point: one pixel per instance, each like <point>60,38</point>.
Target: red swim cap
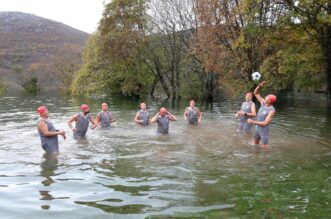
<point>41,109</point>
<point>84,107</point>
<point>272,99</point>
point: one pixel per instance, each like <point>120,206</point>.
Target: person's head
<point>143,106</point>
<point>42,111</point>
<point>104,106</point>
<point>249,96</point>
<point>270,99</point>
<point>85,108</point>
<point>163,111</point>
<point>192,103</point>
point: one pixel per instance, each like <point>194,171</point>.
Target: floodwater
<point>208,171</point>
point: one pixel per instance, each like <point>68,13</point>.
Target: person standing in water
<point>247,111</point>
<point>264,117</point>
<point>104,118</point>
<point>142,116</point>
<point>82,122</point>
<point>163,118</point>
<point>192,114</point>
<point>48,134</point>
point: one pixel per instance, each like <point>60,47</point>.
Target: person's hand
<point>241,113</point>
<point>94,126</point>
<point>262,83</point>
<point>61,132</point>
<point>236,115</point>
<point>74,129</point>
<point>249,121</point>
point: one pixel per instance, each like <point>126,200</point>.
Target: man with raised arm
<point>264,117</point>
<point>163,118</point>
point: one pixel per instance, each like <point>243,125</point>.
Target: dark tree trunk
<point>328,67</point>
<point>164,86</point>
<point>210,86</point>
<point>325,42</point>
<point>153,87</point>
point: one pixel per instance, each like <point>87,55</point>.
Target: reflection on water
<point>207,171</point>
<point>48,166</point>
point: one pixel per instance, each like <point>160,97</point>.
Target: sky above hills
<point>80,14</point>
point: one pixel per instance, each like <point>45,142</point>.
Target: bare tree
<point>236,31</point>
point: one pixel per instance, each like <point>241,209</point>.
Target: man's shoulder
<point>40,121</point>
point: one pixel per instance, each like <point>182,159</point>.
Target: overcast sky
<point>80,14</point>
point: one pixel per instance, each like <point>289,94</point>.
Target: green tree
<point>93,76</point>
<point>3,87</point>
<point>314,16</point>
<point>111,58</point>
<point>122,33</point>
<point>295,65</point>
<point>31,85</point>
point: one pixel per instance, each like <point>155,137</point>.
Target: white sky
<point>80,14</point>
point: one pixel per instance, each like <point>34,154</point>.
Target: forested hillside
<point>37,50</point>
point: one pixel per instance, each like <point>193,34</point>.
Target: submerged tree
<point>234,36</point>
<point>122,32</point>
<point>314,16</point>
<point>111,58</point>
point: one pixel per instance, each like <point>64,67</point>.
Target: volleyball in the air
<point>256,76</point>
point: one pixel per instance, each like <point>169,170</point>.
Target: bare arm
<point>111,118</point>
<point>265,122</point>
<point>253,109</point>
<point>97,120</point>
<point>154,119</point>
<point>257,92</point>
<point>72,119</point>
<point>185,114</point>
<point>42,127</point>
<point>200,115</point>
<point>171,116</point>
<point>94,124</point>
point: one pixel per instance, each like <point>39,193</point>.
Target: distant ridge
<point>31,46</point>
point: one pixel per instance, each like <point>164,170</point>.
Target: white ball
<point>256,76</point>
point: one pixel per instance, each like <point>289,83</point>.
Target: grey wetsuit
<point>81,125</point>
<point>49,144</point>
<point>192,115</point>
<point>144,115</point>
<point>105,118</point>
<point>262,133</point>
<point>163,125</point>
<point>247,108</point>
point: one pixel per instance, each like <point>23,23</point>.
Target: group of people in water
<point>49,135</point>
